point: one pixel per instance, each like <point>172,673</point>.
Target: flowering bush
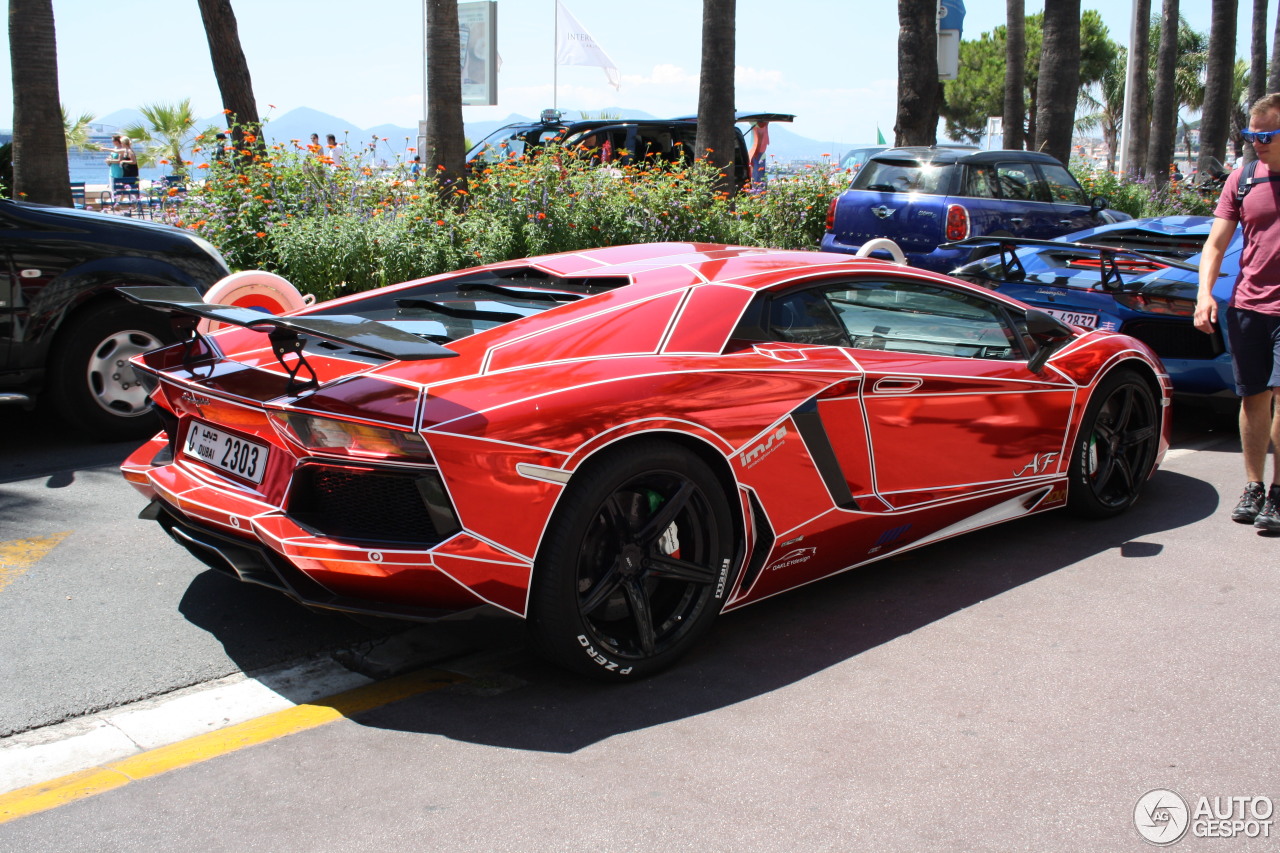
<point>1141,197</point>
<point>337,226</point>
<point>362,222</point>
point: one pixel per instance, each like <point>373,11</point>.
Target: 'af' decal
<point>1039,463</point>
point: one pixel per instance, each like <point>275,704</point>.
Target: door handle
<point>896,385</point>
<point>1064,221</point>
<point>1016,220</point>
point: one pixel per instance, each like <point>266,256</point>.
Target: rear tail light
<point>831,214</point>
<point>1148,304</point>
<point>352,440</point>
<point>957,223</point>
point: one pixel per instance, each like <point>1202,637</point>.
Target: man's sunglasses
<point>1263,136</point>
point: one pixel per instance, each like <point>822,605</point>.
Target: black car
<point>624,140</point>
<point>921,198</point>
<point>65,334</point>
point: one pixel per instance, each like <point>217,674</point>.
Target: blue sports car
<point>1139,277</point>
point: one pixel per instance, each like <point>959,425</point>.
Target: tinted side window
<point>1018,181</point>
<point>904,176</point>
<point>1062,185</point>
<point>806,318</point>
<point>981,182</point>
<point>908,316</point>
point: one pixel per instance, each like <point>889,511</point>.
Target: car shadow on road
<point>533,706</point>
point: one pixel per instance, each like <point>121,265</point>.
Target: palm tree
<point>1164,105</point>
<point>1238,115</point>
<point>1107,110</point>
<point>1059,82</point>
<point>1220,70</point>
<point>230,67</point>
<point>1014,72</point>
<point>40,170</point>
<point>716,96</point>
<point>77,132</point>
<point>1257,64</point>
<point>168,129</point>
<point>1135,153</point>
<point>917,120</point>
<point>1273,76</point>
<point>445,153</point>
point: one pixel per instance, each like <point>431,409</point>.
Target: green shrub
<point>338,228</point>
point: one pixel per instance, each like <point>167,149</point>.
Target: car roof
<point>661,267</point>
<point>948,155</point>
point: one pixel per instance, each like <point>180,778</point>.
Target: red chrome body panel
<point>849,455</point>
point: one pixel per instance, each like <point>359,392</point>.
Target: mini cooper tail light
<point>831,214</point>
<point>1148,304</point>
<point>957,223</point>
<point>352,440</point>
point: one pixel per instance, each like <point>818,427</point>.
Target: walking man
<point>1252,321</point>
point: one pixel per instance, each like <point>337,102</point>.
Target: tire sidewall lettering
<point>599,659</point>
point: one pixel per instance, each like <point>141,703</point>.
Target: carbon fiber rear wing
<point>1108,268</point>
<point>288,334</point>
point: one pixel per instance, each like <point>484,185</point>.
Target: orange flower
<point>260,234</point>
<point>203,166</point>
<point>440,222</point>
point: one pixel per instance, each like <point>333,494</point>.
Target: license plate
<point>1075,318</point>
<point>231,453</point>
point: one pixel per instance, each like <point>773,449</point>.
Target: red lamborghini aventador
<point>618,444</point>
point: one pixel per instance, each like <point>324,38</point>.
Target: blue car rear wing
<point>288,334</point>
<point>1109,269</point>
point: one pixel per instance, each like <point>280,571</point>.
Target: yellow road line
<point>116,774</point>
<point>18,555</point>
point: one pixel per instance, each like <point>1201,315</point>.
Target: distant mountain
<point>784,145</point>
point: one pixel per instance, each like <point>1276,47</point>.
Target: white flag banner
<point>575,46</point>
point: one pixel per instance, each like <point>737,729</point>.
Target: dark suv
<point>627,140</point>
<point>65,333</point>
<point>923,197</point>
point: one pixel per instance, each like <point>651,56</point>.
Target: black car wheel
<point>92,385</point>
<point>635,563</point>
<point>1116,447</point>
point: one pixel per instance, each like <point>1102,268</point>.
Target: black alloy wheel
<point>1116,448</point>
<point>635,563</point>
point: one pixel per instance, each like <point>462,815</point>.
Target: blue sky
<point>831,62</point>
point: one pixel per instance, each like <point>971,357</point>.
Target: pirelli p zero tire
<point>1116,448</point>
<point>635,563</point>
<point>91,383</point>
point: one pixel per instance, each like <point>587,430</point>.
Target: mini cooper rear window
<point>904,176</point>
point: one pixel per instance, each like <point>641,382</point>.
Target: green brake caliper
<point>670,541</point>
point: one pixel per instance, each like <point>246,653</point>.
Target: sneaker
<point>1250,505</point>
<point>1269,518</point>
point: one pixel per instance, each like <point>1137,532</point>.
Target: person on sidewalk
<point>759,145</point>
<point>113,158</point>
<point>1252,321</point>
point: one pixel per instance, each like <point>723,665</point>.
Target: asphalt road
<point>1016,689</point>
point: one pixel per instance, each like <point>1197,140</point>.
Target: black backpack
<point>1248,181</point>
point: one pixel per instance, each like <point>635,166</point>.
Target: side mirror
<point>1049,334</point>
<point>1098,203</point>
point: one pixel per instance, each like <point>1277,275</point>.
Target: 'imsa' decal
<point>760,451</point>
